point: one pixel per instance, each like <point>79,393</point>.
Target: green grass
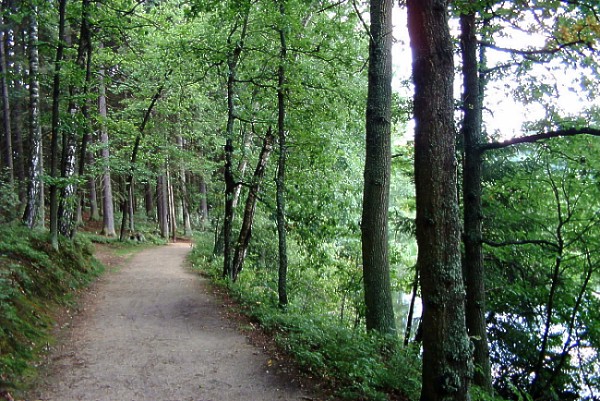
<point>34,280</point>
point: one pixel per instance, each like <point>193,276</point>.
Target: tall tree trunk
<point>446,346</point>
<point>473,214</point>
<point>242,165</point>
<point>34,211</point>
<point>374,226</point>
<point>7,154</point>
<point>232,63</point>
<point>246,230</point>
<point>55,126</point>
<point>185,208</point>
<point>172,214</point>
<point>161,205</point>
<point>108,213</point>
<point>281,165</point>
<point>149,201</point>
<point>203,203</point>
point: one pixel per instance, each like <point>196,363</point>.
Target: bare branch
<point>538,137</point>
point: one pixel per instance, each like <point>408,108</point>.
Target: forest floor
<point>150,329</point>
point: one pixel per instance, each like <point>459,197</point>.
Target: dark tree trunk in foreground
<point>374,226</point>
<point>55,126</point>
<point>281,165</point>
<point>446,347</point>
<point>246,230</point>
<point>473,214</point>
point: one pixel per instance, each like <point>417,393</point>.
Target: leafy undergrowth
<point>34,280</point>
<point>354,364</point>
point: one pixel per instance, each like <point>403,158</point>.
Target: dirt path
<point>151,331</point>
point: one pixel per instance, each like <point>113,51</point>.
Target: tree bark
<point>473,268</point>
<point>232,63</point>
<point>446,347</point>
<point>34,210</point>
<point>108,213</point>
<point>246,230</point>
<point>374,225</point>
<point>7,154</point>
<point>55,126</point>
<point>161,206</point>
<point>203,203</point>
<point>185,208</point>
<point>281,165</point>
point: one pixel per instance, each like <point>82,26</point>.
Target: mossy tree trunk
<point>446,346</point>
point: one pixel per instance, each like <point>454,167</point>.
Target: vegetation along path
<point>153,331</point>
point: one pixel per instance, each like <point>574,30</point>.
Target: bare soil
<point>152,330</point>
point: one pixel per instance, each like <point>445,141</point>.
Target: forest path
<point>152,331</point>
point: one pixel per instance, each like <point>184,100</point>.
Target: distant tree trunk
<point>473,214</point>
<point>172,214</point>
<point>162,205</point>
<point>232,63</point>
<point>242,165</point>
<point>7,155</point>
<point>55,126</point>
<point>108,215</point>
<point>281,165</point>
<point>34,211</point>
<point>374,226</point>
<point>149,201</point>
<point>446,346</point>
<point>246,230</point>
<point>203,203</point>
<point>185,208</point>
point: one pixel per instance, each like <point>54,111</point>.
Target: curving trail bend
<point>153,332</point>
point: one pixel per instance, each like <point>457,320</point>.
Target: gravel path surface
<point>152,331</point>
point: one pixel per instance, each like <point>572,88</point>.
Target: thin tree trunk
<point>246,230</point>
<point>232,63</point>
<point>149,202</point>
<point>185,208</point>
<point>473,262</point>
<point>55,126</point>
<point>242,165</point>
<point>34,211</point>
<point>161,206</point>
<point>446,345</point>
<point>203,203</point>
<point>374,226</point>
<point>172,215</point>
<point>7,155</point>
<point>281,165</point>
<point>108,213</point>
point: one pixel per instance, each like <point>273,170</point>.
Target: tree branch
<point>538,137</point>
<point>522,242</point>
